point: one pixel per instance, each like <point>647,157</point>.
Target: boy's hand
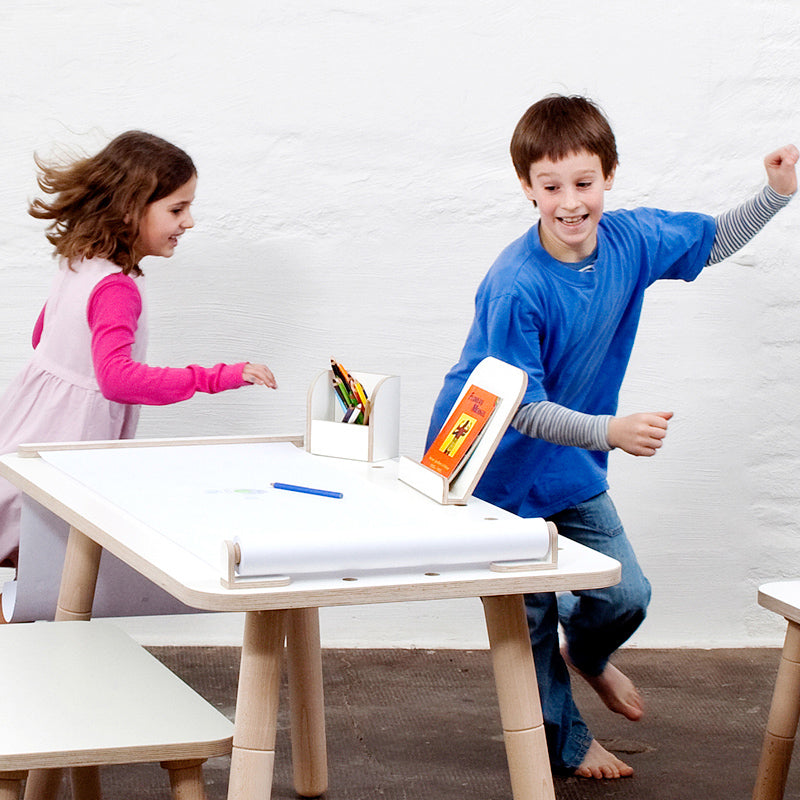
<point>639,434</point>
<point>260,374</point>
<point>780,166</point>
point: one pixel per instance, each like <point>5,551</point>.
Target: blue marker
<point>290,487</point>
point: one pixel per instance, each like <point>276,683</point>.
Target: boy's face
<point>569,194</point>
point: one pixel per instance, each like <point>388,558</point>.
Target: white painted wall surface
<point>353,164</point>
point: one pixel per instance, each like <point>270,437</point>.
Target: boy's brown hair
<point>558,126</point>
<point>99,200</point>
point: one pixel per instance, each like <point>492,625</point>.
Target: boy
<point>563,303</point>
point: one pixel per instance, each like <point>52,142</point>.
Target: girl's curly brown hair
<point>99,200</point>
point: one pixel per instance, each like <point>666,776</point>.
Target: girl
<point>87,378</point>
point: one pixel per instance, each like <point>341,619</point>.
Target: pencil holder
<point>376,440</point>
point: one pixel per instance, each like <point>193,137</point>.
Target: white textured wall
<point>353,164</point>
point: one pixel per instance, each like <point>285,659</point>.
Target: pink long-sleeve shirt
<point>113,312</point>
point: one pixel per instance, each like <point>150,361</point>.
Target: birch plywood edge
<point>32,450</point>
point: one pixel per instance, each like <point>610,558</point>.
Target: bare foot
<point>599,763</point>
<point>615,689</point>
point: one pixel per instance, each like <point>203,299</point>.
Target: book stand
<point>509,384</point>
<point>378,440</point>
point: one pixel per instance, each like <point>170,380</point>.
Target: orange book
<point>459,435</point>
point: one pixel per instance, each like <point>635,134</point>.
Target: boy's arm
<point>642,434</point>
<point>561,425</point>
<point>637,434</point>
<point>739,225</point>
<point>735,228</point>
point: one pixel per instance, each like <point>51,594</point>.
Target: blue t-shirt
<point>572,332</point>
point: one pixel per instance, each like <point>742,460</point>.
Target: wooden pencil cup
<point>377,440</point>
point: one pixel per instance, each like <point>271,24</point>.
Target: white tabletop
<point>782,597</point>
<point>102,509</point>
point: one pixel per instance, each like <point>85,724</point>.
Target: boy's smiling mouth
<point>571,221</point>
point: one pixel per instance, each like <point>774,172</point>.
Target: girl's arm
<point>36,336</point>
<point>113,313</point>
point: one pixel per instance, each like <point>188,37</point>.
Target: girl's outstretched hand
<point>259,374</point>
<point>781,174</point>
<point>639,434</point>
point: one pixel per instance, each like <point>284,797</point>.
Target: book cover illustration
<point>460,434</point>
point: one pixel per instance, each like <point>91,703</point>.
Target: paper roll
<point>324,551</point>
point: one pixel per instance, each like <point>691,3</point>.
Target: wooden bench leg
<point>306,702</point>
<point>11,784</point>
<point>253,756</point>
<point>518,696</point>
<point>186,779</point>
<point>776,752</point>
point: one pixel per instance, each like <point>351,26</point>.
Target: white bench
<point>82,695</point>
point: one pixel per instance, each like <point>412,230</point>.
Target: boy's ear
<point>527,190</point>
<point>610,179</point>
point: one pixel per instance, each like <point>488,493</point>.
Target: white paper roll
<point>333,551</point>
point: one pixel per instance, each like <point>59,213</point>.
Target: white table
<point>279,614</point>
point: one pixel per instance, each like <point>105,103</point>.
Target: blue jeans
<point>595,622</point>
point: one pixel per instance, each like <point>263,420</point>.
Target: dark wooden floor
<point>424,724</point>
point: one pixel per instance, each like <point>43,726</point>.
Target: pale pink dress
<point>57,397</point>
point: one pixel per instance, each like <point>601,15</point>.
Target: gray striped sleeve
<point>560,425</point>
<point>735,228</point>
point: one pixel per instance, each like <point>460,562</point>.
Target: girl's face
<point>164,221</point>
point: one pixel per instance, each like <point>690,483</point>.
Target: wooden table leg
<point>75,599</point>
<point>307,702</point>
<point>85,782</point>
<point>79,577</point>
<point>518,695</point>
<point>43,784</point>
<point>186,779</point>
<point>776,752</point>
<point>257,698</point>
